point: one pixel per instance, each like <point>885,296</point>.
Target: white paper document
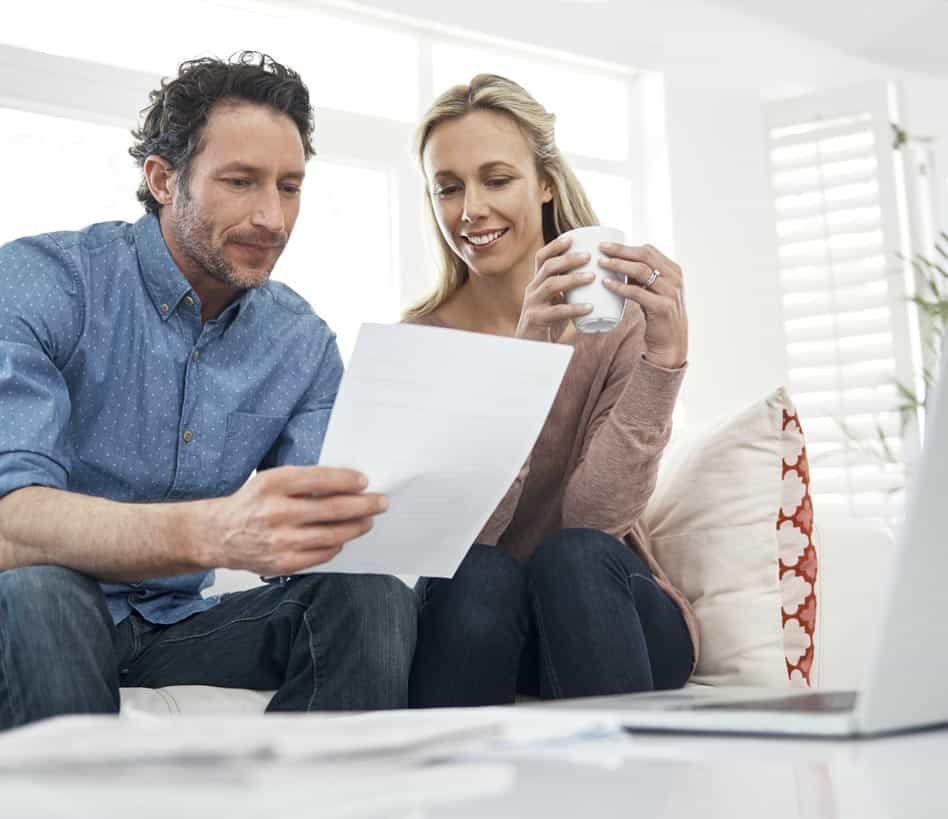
<point>422,734</point>
<point>441,421</point>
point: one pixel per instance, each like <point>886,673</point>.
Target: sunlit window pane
<point>63,174</point>
<point>584,125</point>
<point>341,255</point>
<point>331,53</point>
<point>611,198</point>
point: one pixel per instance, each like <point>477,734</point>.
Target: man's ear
<point>160,178</point>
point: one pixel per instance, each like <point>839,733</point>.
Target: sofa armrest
<point>854,567</point>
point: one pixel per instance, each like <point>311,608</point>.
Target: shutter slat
<point>859,145</point>
<point>814,300</point>
<point>792,134</point>
<point>863,374</point>
<point>827,200</point>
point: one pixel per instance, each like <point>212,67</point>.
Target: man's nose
<point>268,211</point>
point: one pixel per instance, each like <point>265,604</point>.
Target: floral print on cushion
<point>797,550</point>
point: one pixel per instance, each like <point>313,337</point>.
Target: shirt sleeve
<point>301,440</point>
<point>623,444</point>
<point>42,314</point>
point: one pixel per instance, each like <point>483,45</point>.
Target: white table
<point>647,776</point>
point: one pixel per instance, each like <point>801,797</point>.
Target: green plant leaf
<point>907,394</point>
<point>884,442</point>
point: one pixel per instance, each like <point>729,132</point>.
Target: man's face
<point>233,216</point>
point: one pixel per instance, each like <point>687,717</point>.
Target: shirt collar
<point>164,280</point>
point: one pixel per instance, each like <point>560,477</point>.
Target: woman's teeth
<point>486,238</point>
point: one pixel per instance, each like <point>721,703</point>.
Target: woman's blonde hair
<point>569,207</point>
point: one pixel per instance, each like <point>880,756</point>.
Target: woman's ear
<point>546,187</point>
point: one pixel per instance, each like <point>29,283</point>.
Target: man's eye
<point>292,190</point>
<point>234,182</point>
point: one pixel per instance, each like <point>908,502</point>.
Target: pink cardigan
<point>595,463</point>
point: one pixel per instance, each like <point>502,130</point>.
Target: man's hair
<point>174,122</point>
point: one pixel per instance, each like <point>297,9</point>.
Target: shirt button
<point>195,355</point>
<point>188,301</point>
<point>164,308</point>
<point>188,437</point>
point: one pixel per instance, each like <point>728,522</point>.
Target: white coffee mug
<point>607,306</point>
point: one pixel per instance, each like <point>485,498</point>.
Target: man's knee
<point>35,594</point>
<point>57,650</point>
<point>387,610</point>
<point>374,609</point>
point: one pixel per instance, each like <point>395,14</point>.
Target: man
<point>145,371</point>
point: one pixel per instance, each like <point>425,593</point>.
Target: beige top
<point>595,463</point>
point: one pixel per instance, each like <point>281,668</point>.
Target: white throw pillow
<point>730,502</point>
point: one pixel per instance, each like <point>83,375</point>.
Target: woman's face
<point>485,193</point>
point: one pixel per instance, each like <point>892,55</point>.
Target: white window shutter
<point>836,188</point>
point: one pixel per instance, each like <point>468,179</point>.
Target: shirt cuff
<point>26,468</point>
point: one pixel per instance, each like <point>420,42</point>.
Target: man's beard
<point>195,236</point>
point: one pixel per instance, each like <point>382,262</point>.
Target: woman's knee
<point>566,554</point>
<point>488,574</point>
<point>484,599</point>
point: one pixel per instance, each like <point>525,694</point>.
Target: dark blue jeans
<point>324,641</point>
<point>582,616</point>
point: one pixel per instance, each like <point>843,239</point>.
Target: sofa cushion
<point>730,504</point>
<point>194,699</point>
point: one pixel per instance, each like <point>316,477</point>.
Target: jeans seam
<point>544,645</point>
<point>6,676</point>
<point>229,623</point>
<point>425,597</point>
<point>630,577</point>
<point>312,660</point>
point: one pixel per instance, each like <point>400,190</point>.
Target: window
<point>611,196</point>
<point>360,249</point>
<point>339,258</point>
<point>92,180</point>
<point>846,318</point>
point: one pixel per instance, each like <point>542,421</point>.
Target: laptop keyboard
<point>816,702</point>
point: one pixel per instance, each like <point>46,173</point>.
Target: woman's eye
<point>446,190</point>
<point>498,181</point>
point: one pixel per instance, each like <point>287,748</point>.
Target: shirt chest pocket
<point>247,439</point>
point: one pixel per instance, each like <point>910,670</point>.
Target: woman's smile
<point>482,241</point>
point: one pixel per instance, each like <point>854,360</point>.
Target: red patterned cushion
<point>798,563</point>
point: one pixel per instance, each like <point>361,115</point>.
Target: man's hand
<point>286,519</point>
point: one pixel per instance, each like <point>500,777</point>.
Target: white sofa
<point>853,565</point>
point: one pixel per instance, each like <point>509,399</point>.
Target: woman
<point>560,597</point>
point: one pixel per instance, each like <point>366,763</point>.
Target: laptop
<point>906,677</point>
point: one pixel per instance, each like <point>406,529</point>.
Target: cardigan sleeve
<point>622,445</point>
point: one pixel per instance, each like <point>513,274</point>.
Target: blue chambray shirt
<point>110,385</point>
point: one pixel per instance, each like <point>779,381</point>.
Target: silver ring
<point>653,277</point>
